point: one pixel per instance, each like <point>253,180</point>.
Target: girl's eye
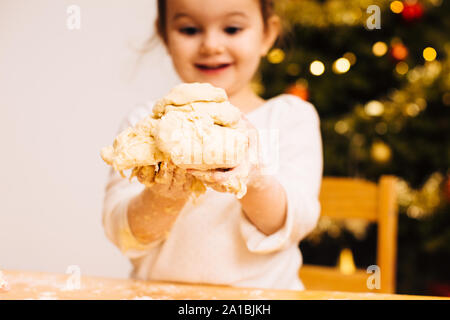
<point>189,30</point>
<point>232,30</point>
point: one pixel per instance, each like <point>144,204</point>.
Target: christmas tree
<point>383,95</point>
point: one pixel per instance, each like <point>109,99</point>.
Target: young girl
<point>219,239</point>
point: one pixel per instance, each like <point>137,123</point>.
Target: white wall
<point>62,96</point>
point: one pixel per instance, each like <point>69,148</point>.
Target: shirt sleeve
<point>119,192</point>
<point>300,166</point>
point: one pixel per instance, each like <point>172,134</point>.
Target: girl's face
<point>220,42</point>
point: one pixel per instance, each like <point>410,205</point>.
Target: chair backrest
<point>350,198</point>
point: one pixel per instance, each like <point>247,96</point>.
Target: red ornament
<point>298,90</point>
<point>439,289</point>
<point>447,188</point>
<point>412,12</point>
<point>399,51</point>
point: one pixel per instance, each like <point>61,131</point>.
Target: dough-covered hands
<point>171,180</point>
<point>248,171</point>
<point>194,127</point>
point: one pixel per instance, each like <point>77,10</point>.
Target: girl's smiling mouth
<point>212,68</point>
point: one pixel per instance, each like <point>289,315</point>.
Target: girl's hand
<point>249,169</point>
<point>172,181</point>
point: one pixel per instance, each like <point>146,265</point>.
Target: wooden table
<point>51,286</point>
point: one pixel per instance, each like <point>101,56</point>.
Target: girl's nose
<point>212,44</point>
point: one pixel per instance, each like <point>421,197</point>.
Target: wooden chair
<point>349,198</point>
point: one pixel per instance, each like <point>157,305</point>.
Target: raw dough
<point>193,140</point>
<point>134,147</point>
<point>192,127</point>
<point>191,92</point>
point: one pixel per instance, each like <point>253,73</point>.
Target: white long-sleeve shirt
<point>212,241</point>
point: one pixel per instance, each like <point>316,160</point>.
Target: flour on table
<point>143,298</point>
<point>47,296</point>
<point>4,285</point>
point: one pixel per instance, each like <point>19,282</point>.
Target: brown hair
<point>267,10</point>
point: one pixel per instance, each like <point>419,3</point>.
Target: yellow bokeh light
<point>415,212</point>
<point>380,152</point>
<point>436,3</point>
<point>397,6</point>
<point>422,103</point>
<point>317,68</point>
<point>379,48</point>
<point>275,56</point>
<point>341,127</point>
<point>412,110</point>
<point>374,108</point>
<point>413,75</point>
<point>429,54</point>
<point>346,263</point>
<point>446,98</point>
<point>401,68</point>
<point>341,65</point>
<point>350,56</point>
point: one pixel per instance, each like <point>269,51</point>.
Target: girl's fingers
<point>221,176</point>
<point>205,175</point>
<point>178,178</point>
<point>211,176</point>
<point>164,174</point>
